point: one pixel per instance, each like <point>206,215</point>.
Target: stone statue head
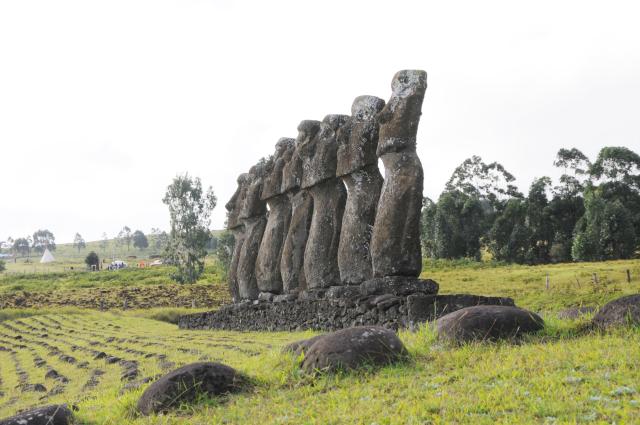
<point>236,202</point>
<point>409,82</point>
<point>273,181</point>
<point>401,115</point>
<point>253,205</point>
<point>319,153</point>
<point>358,139</point>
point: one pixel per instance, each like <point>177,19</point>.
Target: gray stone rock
<point>272,185</point>
<point>254,205</point>
<point>398,285</point>
<point>358,138</point>
<point>246,274</point>
<point>321,251</point>
<point>354,348</point>
<point>268,262</point>
<point>266,296</point>
<point>354,251</point>
<point>487,322</point>
<point>232,274</point>
<point>292,259</point>
<point>301,346</point>
<point>292,170</point>
<point>329,196</point>
<point>236,202</point>
<point>268,274</point>
<point>623,311</point>
<point>184,385</point>
<point>48,415</point>
<point>424,308</point>
<point>395,243</point>
<point>283,298</point>
<point>336,292</point>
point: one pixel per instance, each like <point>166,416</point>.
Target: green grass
<point>562,375</point>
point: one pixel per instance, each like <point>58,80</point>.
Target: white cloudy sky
<point>102,103</point>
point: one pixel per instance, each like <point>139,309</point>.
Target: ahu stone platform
<point>334,309</point>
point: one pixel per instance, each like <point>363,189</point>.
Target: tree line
<point>591,214</point>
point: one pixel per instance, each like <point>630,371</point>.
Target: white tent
<point>47,257</point>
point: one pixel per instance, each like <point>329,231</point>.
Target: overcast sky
<point>102,103</point>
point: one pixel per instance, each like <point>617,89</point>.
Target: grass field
<point>563,375</point>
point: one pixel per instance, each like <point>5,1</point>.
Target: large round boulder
<point>184,385</point>
<point>487,322</point>
<point>353,348</point>
<point>623,311</point>
<point>57,414</point>
<point>301,346</point>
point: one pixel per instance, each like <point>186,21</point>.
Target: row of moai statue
<point>332,219</point>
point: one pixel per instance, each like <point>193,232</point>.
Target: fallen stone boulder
<point>623,311</point>
<point>57,414</point>
<point>185,384</point>
<point>353,348</point>
<point>487,322</point>
<point>301,346</point>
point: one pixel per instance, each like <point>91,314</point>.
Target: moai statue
<point>292,260</point>
<point>319,155</point>
<point>395,243</point>
<point>358,168</point>
<point>236,227</point>
<point>268,276</point>
<point>253,217</point>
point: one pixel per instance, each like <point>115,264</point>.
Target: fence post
<point>595,278</point>
<point>628,276</point>
<point>547,281</point>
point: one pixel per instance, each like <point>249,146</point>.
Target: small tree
<point>190,211</point>
<point>124,237</point>
<point>92,260</point>
<point>44,239</point>
<point>78,242</point>
<point>140,241</point>
<point>22,246</point>
<point>224,250</point>
<point>2,266</point>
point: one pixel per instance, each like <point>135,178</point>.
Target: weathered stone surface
<point>401,115</point>
<point>184,385</point>
<point>619,312</point>
<point>319,149</point>
<point>358,138</point>
<point>354,348</point>
<point>272,185</point>
<point>232,274</point>
<point>398,285</point>
<point>342,292</point>
<point>292,170</point>
<point>246,274</point>
<point>354,255</point>
<point>301,346</point>
<point>325,313</point>
<point>321,251</point>
<point>292,259</point>
<point>487,322</point>
<point>268,275</point>
<point>253,218</point>
<point>423,308</point>
<point>48,415</point>
<point>395,243</point>
<point>236,202</point>
<point>253,205</point>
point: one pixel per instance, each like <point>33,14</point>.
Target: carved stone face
<point>253,205</point>
<point>236,202</point>
<point>408,82</point>
<point>319,153</point>
<point>273,180</point>
<point>365,108</point>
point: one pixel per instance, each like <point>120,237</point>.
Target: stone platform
<point>321,311</point>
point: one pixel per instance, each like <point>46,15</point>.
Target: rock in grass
<point>353,348</point>
<point>487,322</point>
<point>47,415</point>
<point>623,311</point>
<point>575,312</point>
<point>303,345</point>
<point>184,385</point>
